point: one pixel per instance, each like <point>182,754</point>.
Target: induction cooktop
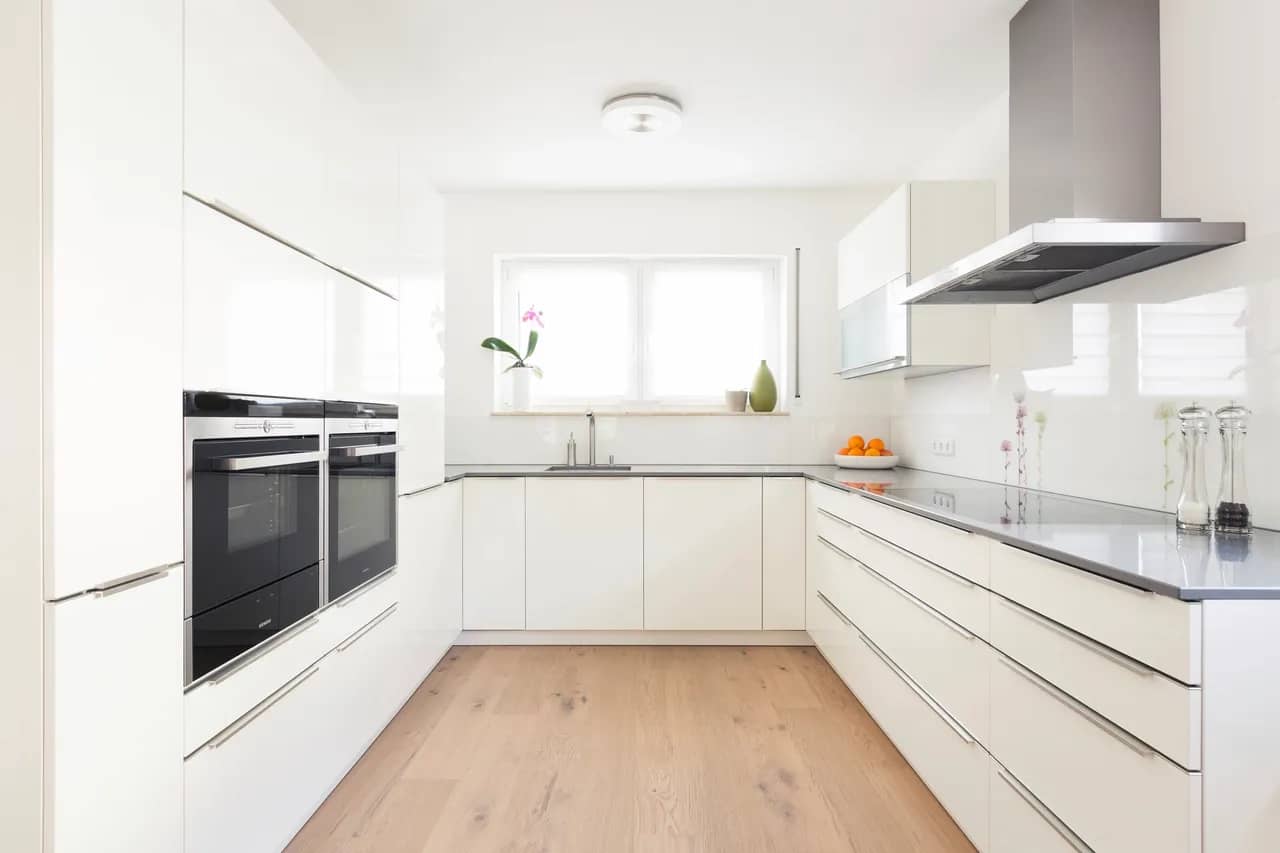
<point>1011,505</point>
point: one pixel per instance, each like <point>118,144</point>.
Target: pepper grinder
<point>1193,503</point>
<point>1232,512</point>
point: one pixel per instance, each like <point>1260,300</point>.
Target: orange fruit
<point>856,441</point>
<point>875,444</point>
<point>871,451</point>
<point>884,451</point>
<point>855,451</point>
<point>844,451</point>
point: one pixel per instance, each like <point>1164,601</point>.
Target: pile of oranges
<point>859,447</point>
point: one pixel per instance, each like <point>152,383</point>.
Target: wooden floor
<point>604,749</point>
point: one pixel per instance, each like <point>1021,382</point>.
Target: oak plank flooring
<point>631,748</point>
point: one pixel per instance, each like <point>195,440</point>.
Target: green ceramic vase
<point>764,391</point>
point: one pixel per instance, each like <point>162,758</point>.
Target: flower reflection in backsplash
<point>1164,414</point>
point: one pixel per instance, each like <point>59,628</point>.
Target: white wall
<point>1221,135</point>
<point>482,225</point>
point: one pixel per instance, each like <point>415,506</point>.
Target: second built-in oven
<point>361,502</point>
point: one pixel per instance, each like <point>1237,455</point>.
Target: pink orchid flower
<point>532,315</point>
<point>1006,445</point>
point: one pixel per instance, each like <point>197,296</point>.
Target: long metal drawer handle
<point>835,518</point>
<point>1081,640</point>
<point>369,626</point>
<point>274,460</point>
<point>368,587</point>
<point>262,648</point>
<point>960,730</point>
<point>836,548</point>
<point>129,583</point>
<point>366,450</point>
<point>913,600</point>
<point>834,609</point>
<point>1083,710</point>
<point>948,574</point>
<point>239,725</point>
<point>1041,809</point>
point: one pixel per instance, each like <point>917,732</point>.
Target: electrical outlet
<point>943,447</point>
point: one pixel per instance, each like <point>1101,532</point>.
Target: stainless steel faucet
<point>591,438</point>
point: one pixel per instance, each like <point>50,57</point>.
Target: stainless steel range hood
<point>1084,161</point>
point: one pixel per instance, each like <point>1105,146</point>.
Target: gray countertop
<point>1138,547</point>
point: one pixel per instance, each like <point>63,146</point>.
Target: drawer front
<point>1157,709</point>
<point>958,550</point>
<point>946,758</point>
<point>215,704</point>
<point>833,634</point>
<point>1110,788</point>
<point>834,575</point>
<point>1020,823</point>
<point>1162,632</point>
<point>959,598</point>
<point>943,658</point>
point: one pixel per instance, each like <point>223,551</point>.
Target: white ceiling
<point>804,93</point>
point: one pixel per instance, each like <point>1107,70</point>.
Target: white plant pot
<point>520,377</point>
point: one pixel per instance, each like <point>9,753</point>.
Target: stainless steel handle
<point>834,609</point>
<point>1083,710</point>
<point>949,575</point>
<point>369,626</point>
<point>836,518</point>
<point>262,648</point>
<point>1081,640</point>
<point>258,710</point>
<point>366,450</point>
<point>245,219</point>
<point>274,460</point>
<point>961,731</point>
<point>359,593</point>
<point>836,548</point>
<point>129,583</point>
<point>1041,809</point>
<point>919,604</point>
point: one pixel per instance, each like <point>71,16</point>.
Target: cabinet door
<point>254,310</point>
<point>702,553</point>
<point>583,545</point>
<point>784,553</point>
<point>112,289</point>
<point>361,194</point>
<point>258,116</point>
<point>430,560</point>
<point>422,327</point>
<point>493,553</point>
<point>362,346</point>
<point>877,250</point>
<point>113,762</point>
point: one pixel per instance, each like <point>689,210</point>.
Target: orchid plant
<point>532,316</point>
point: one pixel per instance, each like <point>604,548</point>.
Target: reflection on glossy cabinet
<point>493,553</point>
<point>784,553</point>
<point>702,553</point>
<point>430,561</point>
<point>113,762</point>
<point>362,344</point>
<point>583,544</point>
<point>254,310</point>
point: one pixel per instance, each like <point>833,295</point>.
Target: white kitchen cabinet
<point>113,760</point>
<point>877,250</point>
<point>1021,823</point>
<point>258,118</point>
<point>254,310</point>
<point>493,579</point>
<point>112,250</point>
<point>702,553</point>
<point>422,327</point>
<point>362,344</point>
<point>584,540</point>
<point>430,567</point>
<point>361,177</point>
<point>784,553</point>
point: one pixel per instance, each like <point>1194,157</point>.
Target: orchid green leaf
<point>533,343</point>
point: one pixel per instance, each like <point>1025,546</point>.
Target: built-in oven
<point>362,447</point>
<point>254,522</point>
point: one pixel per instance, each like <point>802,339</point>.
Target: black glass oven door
<point>362,509</point>
<point>255,514</point>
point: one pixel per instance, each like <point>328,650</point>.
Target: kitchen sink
<point>588,469</point>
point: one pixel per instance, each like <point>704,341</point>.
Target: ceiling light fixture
<point>642,114</point>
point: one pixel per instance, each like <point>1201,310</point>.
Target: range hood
<point>1084,161</point>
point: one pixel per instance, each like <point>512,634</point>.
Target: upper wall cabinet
<point>362,350</point>
<point>273,138</point>
<point>112,247</point>
<point>920,228</point>
<point>254,311</point>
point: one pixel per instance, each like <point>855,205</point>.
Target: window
<point>645,332</point>
<point>1193,346</point>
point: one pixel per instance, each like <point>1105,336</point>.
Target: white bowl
<point>866,462</point>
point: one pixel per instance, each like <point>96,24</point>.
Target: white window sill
<point>635,413</point>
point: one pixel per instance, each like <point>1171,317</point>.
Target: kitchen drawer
<point>960,551</point>
<point>948,662</point>
<point>1113,790</point>
<point>1020,823</point>
<point>834,575</point>
<point>833,634</point>
<point>1160,631</point>
<point>214,704</point>
<point>942,753</point>
<point>947,592</point>
<point>1157,709</point>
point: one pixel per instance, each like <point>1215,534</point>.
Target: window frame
<point>508,307</point>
